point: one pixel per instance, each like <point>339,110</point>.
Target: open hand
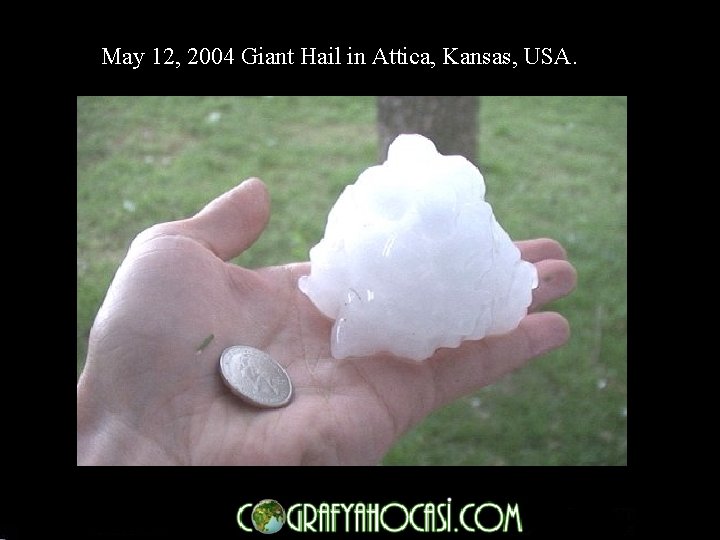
<point>147,395</point>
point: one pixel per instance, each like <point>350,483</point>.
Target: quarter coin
<point>254,376</point>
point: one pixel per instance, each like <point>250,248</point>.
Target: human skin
<point>147,396</point>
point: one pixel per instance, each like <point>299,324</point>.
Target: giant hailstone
<point>413,259</point>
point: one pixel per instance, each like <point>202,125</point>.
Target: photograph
<point>351,280</point>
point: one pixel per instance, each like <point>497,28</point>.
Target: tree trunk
<point>451,122</point>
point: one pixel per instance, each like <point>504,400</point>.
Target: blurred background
<point>554,166</point>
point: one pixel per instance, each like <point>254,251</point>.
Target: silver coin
<point>255,376</point>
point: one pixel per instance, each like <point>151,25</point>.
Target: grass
<point>554,166</point>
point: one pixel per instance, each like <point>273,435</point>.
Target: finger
<point>540,249</point>
<point>299,269</point>
<point>229,224</point>
<point>478,363</point>
<point>555,280</point>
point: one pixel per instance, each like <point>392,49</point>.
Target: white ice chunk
<point>413,259</point>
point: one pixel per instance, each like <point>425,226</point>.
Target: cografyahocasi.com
<point>486,517</point>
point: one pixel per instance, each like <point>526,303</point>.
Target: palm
<point>344,412</point>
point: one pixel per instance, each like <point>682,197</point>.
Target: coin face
<point>255,376</point>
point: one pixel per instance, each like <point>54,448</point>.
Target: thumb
<point>231,223</point>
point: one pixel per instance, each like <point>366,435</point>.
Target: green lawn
<point>554,166</point>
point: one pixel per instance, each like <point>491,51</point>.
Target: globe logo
<point>268,516</point>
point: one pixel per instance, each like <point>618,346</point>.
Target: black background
<point>51,493</point>
<point>202,502</point>
<point>598,69</point>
